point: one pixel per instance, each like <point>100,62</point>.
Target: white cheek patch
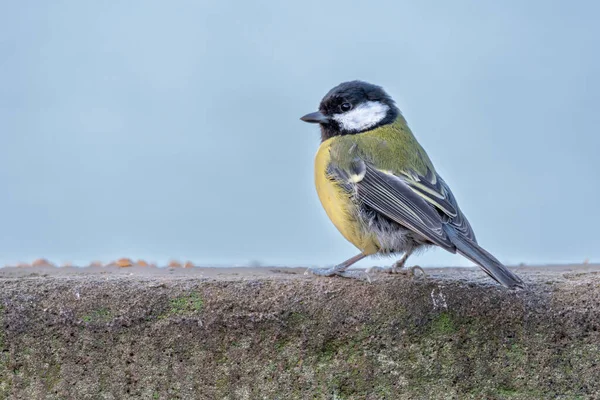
<point>364,116</point>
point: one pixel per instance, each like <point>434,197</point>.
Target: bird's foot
<point>353,274</point>
<point>395,269</point>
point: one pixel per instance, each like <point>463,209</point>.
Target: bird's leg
<point>340,269</point>
<point>398,266</point>
<point>400,263</point>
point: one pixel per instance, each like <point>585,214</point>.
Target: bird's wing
<point>432,188</point>
<point>393,197</point>
<point>422,203</point>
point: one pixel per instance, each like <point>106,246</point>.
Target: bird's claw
<point>321,271</point>
<point>414,268</point>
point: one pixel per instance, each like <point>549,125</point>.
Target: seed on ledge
<point>124,262</point>
<point>42,262</point>
<point>96,264</point>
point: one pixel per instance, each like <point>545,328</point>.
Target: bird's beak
<point>316,118</point>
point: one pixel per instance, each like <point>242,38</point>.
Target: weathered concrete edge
<point>272,335</point>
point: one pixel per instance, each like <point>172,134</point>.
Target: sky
<point>170,130</point>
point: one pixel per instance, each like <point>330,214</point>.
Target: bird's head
<point>353,107</point>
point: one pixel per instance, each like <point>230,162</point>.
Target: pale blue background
<point>166,130</point>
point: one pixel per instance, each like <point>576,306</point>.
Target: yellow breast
<point>338,205</point>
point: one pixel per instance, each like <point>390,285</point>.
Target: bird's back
<point>390,147</point>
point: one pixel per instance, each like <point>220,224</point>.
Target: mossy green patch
<point>187,304</point>
<point>383,391</point>
<point>98,316</point>
<point>328,350</point>
<point>506,391</point>
<point>443,324</point>
<point>295,318</point>
<point>280,344</point>
<point>516,353</point>
<point>51,377</point>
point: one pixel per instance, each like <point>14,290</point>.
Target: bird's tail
<point>485,260</point>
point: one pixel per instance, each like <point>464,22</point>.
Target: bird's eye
<point>346,107</point>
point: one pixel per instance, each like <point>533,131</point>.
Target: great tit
<point>379,187</point>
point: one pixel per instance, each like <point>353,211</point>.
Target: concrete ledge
<point>108,333</point>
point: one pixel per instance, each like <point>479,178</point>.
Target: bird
<point>380,189</point>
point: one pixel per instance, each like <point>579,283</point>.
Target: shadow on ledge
<point>265,333</point>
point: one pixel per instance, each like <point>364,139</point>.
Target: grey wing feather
<point>459,221</point>
<point>434,190</point>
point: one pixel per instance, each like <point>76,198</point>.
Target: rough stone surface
<point>260,333</point>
